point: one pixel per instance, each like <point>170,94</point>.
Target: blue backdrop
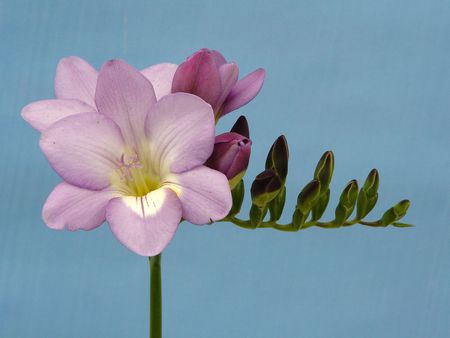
<point>368,79</point>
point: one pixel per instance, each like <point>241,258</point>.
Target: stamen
<point>125,167</point>
<point>134,176</point>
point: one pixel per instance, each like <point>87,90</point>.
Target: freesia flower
<point>75,84</point>
<point>135,162</point>
<point>232,152</point>
<point>207,74</point>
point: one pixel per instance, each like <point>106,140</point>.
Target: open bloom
<point>135,162</point>
<point>75,84</point>
<point>232,152</point>
<point>207,74</point>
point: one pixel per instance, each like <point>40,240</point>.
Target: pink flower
<point>75,84</point>
<point>207,74</point>
<point>135,162</point>
<point>232,152</point>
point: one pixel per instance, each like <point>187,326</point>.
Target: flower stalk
<point>155,329</point>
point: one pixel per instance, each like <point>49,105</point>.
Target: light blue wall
<point>368,79</point>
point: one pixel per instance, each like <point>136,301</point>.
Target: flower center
<point>133,176</point>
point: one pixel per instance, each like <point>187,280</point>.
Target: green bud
<point>361,205</point>
<point>365,205</point>
<point>265,187</point>
<point>371,203</point>
<point>324,170</point>
<point>395,213</point>
<point>278,157</point>
<point>321,205</point>
<point>371,184</point>
<point>388,217</point>
<point>347,202</point>
<point>401,208</point>
<point>349,194</point>
<point>256,215</point>
<point>276,206</point>
<point>237,195</point>
<point>308,197</point>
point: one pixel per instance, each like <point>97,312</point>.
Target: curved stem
<point>155,330</point>
<point>291,228</point>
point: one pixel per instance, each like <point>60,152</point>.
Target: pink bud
<point>208,75</point>
<point>232,152</point>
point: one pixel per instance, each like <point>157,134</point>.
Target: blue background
<point>368,79</point>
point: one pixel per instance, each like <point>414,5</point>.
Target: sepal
<point>237,195</point>
<point>276,206</point>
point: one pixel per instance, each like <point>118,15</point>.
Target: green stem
<point>155,330</point>
<point>291,228</point>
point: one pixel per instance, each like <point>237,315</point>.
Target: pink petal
<point>145,225</point>
<point>75,208</point>
<point>204,193</point>
<point>42,114</point>
<point>199,75</point>
<point>229,74</point>
<point>161,77</point>
<point>218,58</point>
<point>124,95</point>
<point>244,91</point>
<point>84,149</point>
<point>75,79</point>
<point>180,129</point>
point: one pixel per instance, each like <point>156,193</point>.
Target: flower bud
<point>372,182</point>
<point>368,195</point>
<point>278,157</point>
<point>347,202</point>
<point>395,213</point>
<point>265,187</point>
<point>324,170</point>
<point>208,75</point>
<point>308,196</point>
<point>232,153</point>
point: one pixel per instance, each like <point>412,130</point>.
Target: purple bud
<point>231,156</point>
<point>208,75</point>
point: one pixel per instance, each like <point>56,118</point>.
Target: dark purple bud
<point>241,127</point>
<point>265,187</point>
<point>231,156</point>
<point>278,157</point>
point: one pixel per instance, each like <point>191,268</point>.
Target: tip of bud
<point>241,127</point>
<point>278,157</point>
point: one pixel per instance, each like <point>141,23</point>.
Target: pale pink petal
<point>161,76</point>
<point>180,129</point>
<point>204,193</point>
<point>126,96</point>
<point>228,74</point>
<point>42,114</point>
<point>244,91</point>
<point>75,79</point>
<point>84,149</point>
<point>73,208</point>
<point>145,225</point>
